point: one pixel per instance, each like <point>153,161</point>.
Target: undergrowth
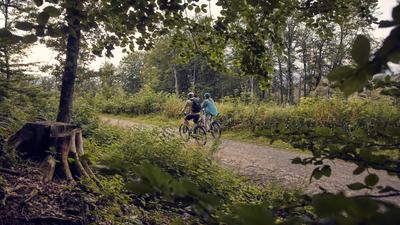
<point>178,174</point>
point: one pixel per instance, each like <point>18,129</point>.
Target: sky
<point>41,54</point>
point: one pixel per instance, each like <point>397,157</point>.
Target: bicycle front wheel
<point>200,135</point>
<point>215,130</point>
<point>184,132</point>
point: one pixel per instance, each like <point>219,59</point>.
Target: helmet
<point>207,95</point>
<point>190,95</point>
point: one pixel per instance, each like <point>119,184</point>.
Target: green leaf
<point>249,214</point>
<point>356,186</point>
<point>371,180</point>
<point>326,171</point>
<point>317,174</point>
<point>43,18</point>
<point>52,11</point>
<point>38,2</point>
<point>190,7</point>
<point>359,170</point>
<point>26,26</point>
<point>355,83</point>
<point>361,50</point>
<point>296,160</point>
<point>197,10</point>
<point>341,73</point>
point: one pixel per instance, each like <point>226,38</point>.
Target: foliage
<point>144,102</point>
<point>110,205</point>
<point>85,115</point>
<point>158,165</point>
<point>22,107</point>
<point>172,106</point>
<point>355,130</point>
<point>353,78</point>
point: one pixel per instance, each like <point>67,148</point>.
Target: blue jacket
<point>209,107</point>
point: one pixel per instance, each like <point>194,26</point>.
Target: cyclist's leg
<point>187,119</point>
<point>196,118</point>
<point>207,121</point>
<point>205,124</point>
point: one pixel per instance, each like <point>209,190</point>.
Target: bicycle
<point>215,127</point>
<point>198,133</point>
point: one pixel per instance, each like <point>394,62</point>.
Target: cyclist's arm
<point>185,107</point>
<point>204,104</point>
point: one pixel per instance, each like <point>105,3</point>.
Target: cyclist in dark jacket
<point>194,106</point>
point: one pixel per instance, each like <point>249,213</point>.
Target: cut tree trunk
<point>53,144</point>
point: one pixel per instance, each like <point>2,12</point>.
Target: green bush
<point>370,117</point>
<point>146,101</point>
<point>129,149</point>
<point>172,106</point>
<point>84,114</point>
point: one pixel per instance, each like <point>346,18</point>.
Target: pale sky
<point>41,54</point>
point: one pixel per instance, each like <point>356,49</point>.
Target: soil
<point>265,164</point>
<point>27,200</point>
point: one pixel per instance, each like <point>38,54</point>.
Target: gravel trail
<point>265,164</point>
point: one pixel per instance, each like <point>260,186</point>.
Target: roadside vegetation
<point>302,75</point>
<point>358,118</point>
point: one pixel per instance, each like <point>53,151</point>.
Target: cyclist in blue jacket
<point>209,108</point>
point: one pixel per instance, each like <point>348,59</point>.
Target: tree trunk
<point>252,87</point>
<point>70,66</point>
<point>290,37</point>
<point>280,79</point>
<point>176,82</point>
<point>299,91</point>
<point>305,69</point>
<point>194,77</point>
<point>338,58</point>
<point>6,52</point>
<point>319,64</point>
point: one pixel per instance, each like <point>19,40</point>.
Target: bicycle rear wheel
<point>184,132</point>
<point>200,135</point>
<point>215,130</point>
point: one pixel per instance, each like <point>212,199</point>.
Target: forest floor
<point>265,164</point>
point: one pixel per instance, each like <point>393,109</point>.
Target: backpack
<point>196,105</point>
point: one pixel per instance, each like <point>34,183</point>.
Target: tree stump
<point>57,146</point>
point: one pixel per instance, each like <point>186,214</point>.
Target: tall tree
<point>12,48</point>
<point>102,24</point>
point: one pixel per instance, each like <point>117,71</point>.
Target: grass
<point>237,135</point>
<point>151,119</point>
<point>249,137</point>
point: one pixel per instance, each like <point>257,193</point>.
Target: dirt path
<point>265,164</point>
